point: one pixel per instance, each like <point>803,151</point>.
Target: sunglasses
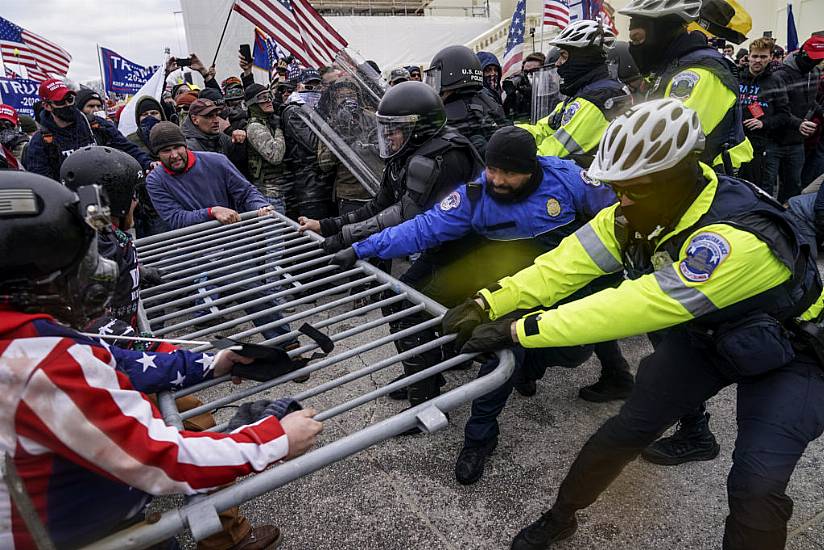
<point>67,101</point>
<point>636,193</point>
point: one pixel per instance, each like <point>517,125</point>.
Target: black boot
<point>692,441</point>
<point>402,394</point>
<point>470,464</point>
<point>544,532</point>
<point>613,385</point>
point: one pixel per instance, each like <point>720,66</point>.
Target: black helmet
<point>410,112</point>
<point>626,69</point>
<point>116,172</point>
<point>48,249</point>
<point>455,68</point>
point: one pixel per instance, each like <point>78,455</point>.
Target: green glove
<point>462,319</point>
<point>490,337</point>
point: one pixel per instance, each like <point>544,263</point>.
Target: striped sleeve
<point>78,406</point>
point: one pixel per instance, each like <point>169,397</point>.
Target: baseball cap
<point>814,46</point>
<point>309,75</point>
<point>399,74</point>
<point>7,112</point>
<point>53,90</point>
<point>203,107</point>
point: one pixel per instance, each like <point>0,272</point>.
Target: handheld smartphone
<point>183,61</point>
<point>246,52</point>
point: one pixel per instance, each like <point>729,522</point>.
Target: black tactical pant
<point>778,414</point>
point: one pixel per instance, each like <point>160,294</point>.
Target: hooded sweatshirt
<point>139,137</point>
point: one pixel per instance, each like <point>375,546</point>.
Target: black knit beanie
<point>512,149</point>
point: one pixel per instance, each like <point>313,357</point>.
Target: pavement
<point>402,494</point>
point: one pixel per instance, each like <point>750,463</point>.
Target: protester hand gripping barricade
<point>243,253</point>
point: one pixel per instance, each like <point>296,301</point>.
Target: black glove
<point>149,277</point>
<point>490,337</point>
<point>462,319</point>
<point>345,259</point>
<point>333,244</point>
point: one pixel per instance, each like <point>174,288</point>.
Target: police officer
<point>681,65</point>
<point>425,161</point>
<point>456,75</point>
<point>716,265</point>
<point>522,207</point>
<point>265,147</point>
<point>574,129</point>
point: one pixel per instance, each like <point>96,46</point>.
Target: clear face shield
<point>394,132</point>
<point>546,91</point>
<point>432,78</point>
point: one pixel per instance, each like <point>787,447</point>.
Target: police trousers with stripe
<point>778,414</point>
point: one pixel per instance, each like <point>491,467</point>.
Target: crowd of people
<point>663,182</point>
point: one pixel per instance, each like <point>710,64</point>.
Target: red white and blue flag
<point>514,53</point>
<point>556,13</point>
<point>297,27</point>
<point>42,58</point>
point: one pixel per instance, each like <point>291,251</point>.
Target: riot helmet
<point>455,68</point>
<point>48,248</point>
<point>409,113</point>
<point>116,172</point>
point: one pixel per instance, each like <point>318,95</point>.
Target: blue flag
<point>120,75</point>
<point>261,53</point>
<point>20,93</point>
<point>792,33</point>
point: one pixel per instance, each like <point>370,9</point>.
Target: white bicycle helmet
<point>685,9</point>
<point>583,33</point>
<point>649,138</point>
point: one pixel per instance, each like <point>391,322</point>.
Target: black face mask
<point>666,202</point>
<point>66,114</point>
<point>650,55</point>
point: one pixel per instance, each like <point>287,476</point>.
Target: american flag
<point>40,57</point>
<point>297,26</point>
<point>556,13</point>
<point>514,53</point>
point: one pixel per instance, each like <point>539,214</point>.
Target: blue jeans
<point>784,162</point>
<point>530,364</point>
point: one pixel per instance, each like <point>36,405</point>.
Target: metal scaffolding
<point>261,275</point>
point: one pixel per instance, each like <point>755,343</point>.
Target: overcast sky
<point>138,30</point>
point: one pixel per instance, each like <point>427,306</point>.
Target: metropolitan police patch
<point>705,253</point>
<point>451,201</point>
<point>683,84</point>
<point>569,112</point>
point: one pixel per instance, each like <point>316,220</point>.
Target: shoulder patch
<point>451,201</point>
<point>569,112</point>
<point>683,83</point>
<point>705,252</point>
<point>553,207</point>
<point>589,180</point>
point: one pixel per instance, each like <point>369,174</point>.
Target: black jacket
<point>217,143</point>
<point>767,90</point>
<point>801,91</point>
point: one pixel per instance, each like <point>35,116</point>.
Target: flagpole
<point>100,66</point>
<point>225,25</point>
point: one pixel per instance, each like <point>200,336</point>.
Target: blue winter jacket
<point>42,159</point>
<point>565,197</point>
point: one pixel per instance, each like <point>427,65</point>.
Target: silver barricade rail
<point>210,274</point>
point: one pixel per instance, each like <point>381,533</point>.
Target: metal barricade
<point>214,274</point>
